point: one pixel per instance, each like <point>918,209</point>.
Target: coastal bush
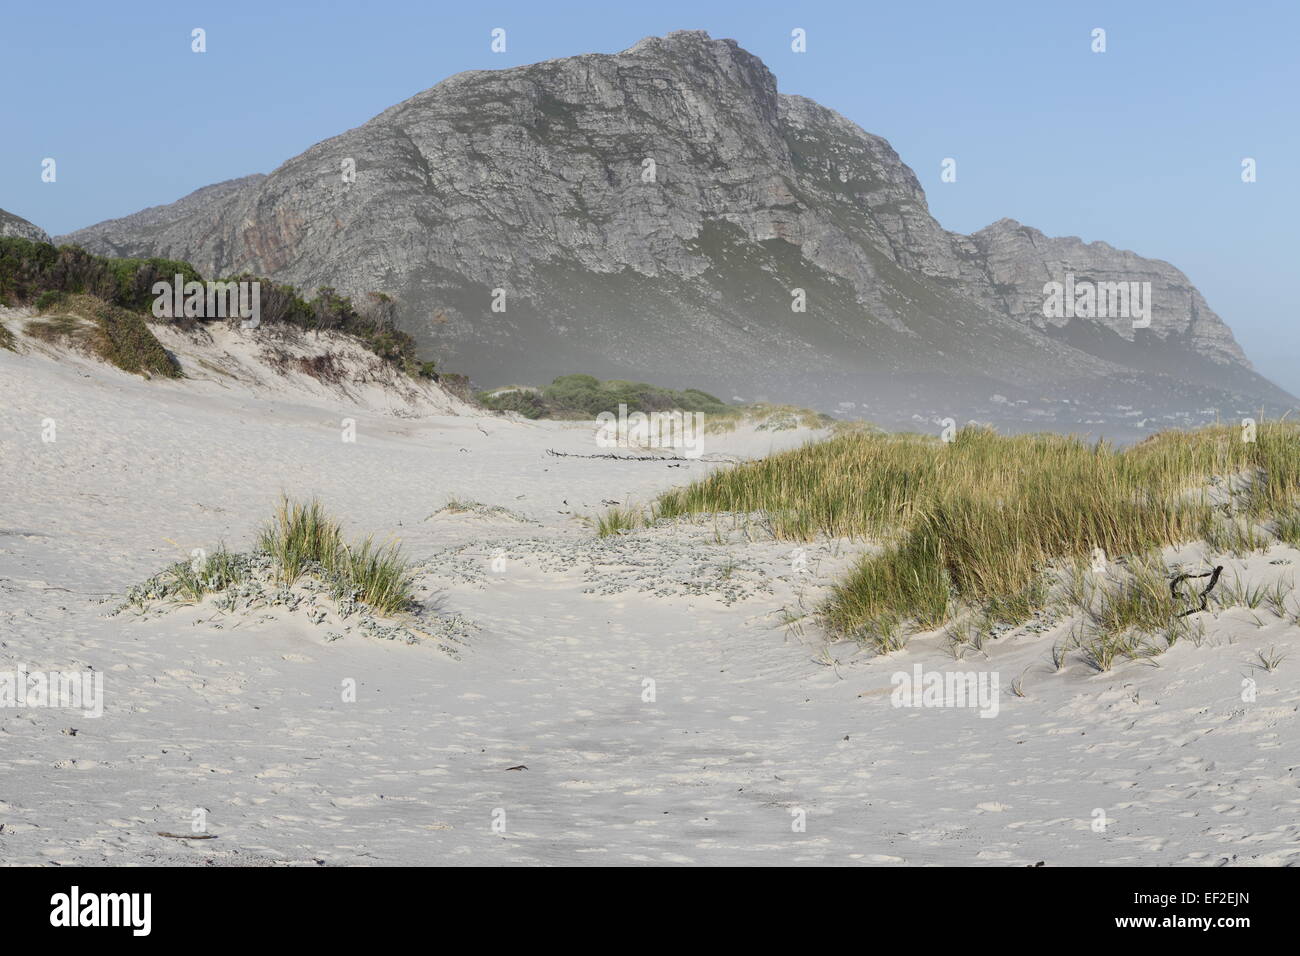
<point>38,273</point>
<point>116,335</point>
<point>583,397</point>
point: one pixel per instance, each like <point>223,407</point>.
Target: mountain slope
<point>536,181</point>
<point>133,235</point>
<point>17,226</point>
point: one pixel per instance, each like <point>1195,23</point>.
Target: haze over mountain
<point>651,214</point>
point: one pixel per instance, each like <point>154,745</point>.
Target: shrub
<point>128,343</point>
<point>585,397</point>
<point>524,401</point>
<point>49,299</point>
<point>38,272</point>
<point>114,334</point>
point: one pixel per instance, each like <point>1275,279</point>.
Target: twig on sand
<point>187,836</point>
<point>567,454</point>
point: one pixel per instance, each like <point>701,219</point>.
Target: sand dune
<point>753,725</point>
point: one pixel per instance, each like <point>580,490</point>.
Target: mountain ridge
<point>532,180</point>
<point>16,226</point>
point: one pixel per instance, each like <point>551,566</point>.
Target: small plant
<point>1142,600</point>
<point>969,632</point>
<point>1101,650</point>
<point>886,634</point>
<point>457,506</point>
<point>1270,659</point>
<point>215,574</point>
<point>619,520</point>
<point>1276,596</point>
<point>1078,586</point>
<point>1061,651</point>
<point>299,540</point>
<point>792,621</point>
<point>1175,631</point>
<point>1242,594</point>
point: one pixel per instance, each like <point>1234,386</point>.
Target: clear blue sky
<point>1140,146</point>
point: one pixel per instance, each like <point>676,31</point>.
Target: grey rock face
<point>133,235</point>
<point>1020,260</point>
<point>11,225</point>
<point>651,214</point>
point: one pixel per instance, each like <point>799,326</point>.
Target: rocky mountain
<point>126,236</point>
<point>11,225</point>
<point>1020,260</point>
<point>665,214</point>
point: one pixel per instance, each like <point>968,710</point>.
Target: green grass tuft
<point>618,520</point>
<point>301,538</point>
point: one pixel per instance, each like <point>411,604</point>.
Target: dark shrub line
<point>585,397</point>
<point>39,273</point>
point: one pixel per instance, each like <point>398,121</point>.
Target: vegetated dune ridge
<point>557,632</point>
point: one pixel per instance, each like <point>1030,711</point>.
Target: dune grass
<point>977,522</point>
<point>1287,528</point>
<point>300,535</point>
<point>377,575</point>
<point>619,520</point>
<point>302,538</point>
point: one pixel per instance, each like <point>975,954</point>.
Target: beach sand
<point>750,727</point>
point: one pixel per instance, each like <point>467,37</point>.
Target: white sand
<point>244,717</point>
